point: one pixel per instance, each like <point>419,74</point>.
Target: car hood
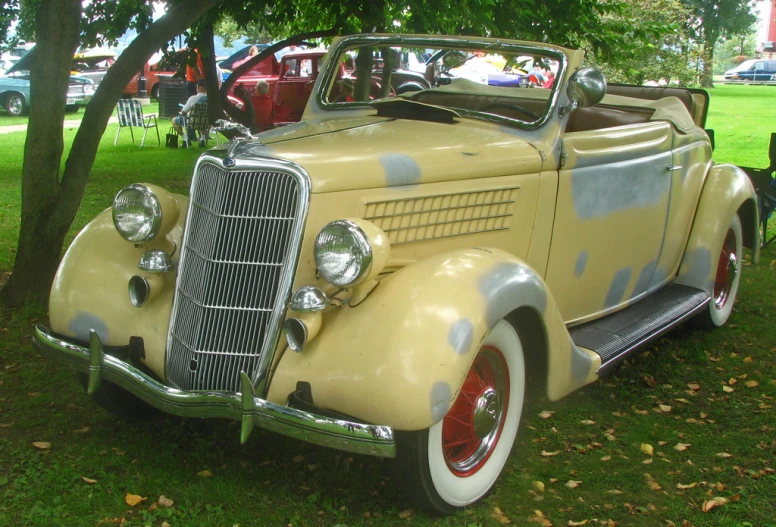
<point>24,63</point>
<point>374,152</point>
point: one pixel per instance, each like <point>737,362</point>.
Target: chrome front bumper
<point>244,407</point>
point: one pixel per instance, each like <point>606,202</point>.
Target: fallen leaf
<point>297,459</point>
<point>165,524</point>
<point>587,422</point>
<point>405,514</point>
<point>553,480</point>
<point>572,484</point>
<point>732,381</point>
<point>724,454</point>
<point>751,384</point>
<point>662,443</point>
<point>647,449</point>
<point>735,497</point>
<point>164,501</point>
<point>133,499</point>
<point>205,474</point>
<point>549,454</point>
<point>82,430</point>
<point>748,360</point>
<point>681,447</point>
<point>606,458</point>
<point>41,445</point>
<point>572,523</point>
<point>727,389</point>
<point>615,491</point>
<point>647,461</point>
<point>714,502</point>
<point>694,386</point>
<point>538,486</point>
<point>689,486</point>
<point>89,481</point>
<point>664,408</point>
<point>153,507</point>
<point>538,517</point>
<point>499,516</point>
<point>544,414</point>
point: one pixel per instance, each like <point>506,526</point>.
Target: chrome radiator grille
<point>240,241</point>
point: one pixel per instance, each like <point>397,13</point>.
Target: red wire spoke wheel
<point>473,425</point>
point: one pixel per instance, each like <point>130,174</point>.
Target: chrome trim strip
<point>245,407</point>
<point>606,366</point>
<point>262,163</point>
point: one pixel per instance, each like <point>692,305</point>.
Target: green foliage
<point>731,51</point>
<point>9,12</point>
<point>657,44</point>
<point>711,19</point>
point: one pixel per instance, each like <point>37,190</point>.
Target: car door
<point>293,89</point>
<point>611,209</point>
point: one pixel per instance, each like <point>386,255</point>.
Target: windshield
<point>487,80</point>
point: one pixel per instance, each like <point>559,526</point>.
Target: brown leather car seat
<point>653,93</point>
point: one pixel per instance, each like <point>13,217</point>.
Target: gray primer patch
<point>400,169</point>
<point>696,269</point>
<point>580,364</point>
<point>617,287</point>
<point>600,191</point>
<point>581,264</point>
<point>461,335</point>
<point>658,278</point>
<point>644,279</point>
<point>509,286</point>
<point>440,400</point>
<point>83,322</point>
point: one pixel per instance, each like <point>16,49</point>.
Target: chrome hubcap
<point>15,105</point>
<point>486,413</point>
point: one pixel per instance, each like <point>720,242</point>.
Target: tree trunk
<point>48,203</point>
<point>707,73</point>
<point>57,26</point>
<point>214,109</point>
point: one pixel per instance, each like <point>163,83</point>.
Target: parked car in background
<point>227,65</point>
<point>15,88</point>
<point>392,276</point>
<point>752,70</point>
<point>93,64</point>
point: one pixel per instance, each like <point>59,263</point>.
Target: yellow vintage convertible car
<point>392,275</point>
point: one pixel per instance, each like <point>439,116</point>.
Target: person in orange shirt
<point>194,74</point>
<point>262,106</point>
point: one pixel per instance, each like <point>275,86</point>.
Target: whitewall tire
<point>457,461</point>
<point>727,277</point>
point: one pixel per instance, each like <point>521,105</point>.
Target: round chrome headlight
<point>342,253</point>
<point>137,213</point>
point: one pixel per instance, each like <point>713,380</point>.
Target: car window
<point>291,68</point>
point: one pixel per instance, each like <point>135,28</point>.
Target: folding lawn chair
<point>130,113</point>
<point>198,121</point>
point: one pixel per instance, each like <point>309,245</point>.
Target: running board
<point>615,336</point>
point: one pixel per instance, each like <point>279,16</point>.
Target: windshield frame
<point>328,77</point>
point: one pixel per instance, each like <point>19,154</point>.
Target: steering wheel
<point>510,106</point>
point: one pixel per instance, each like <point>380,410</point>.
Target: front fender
<point>726,191</point>
<point>400,357</point>
<point>90,289</point>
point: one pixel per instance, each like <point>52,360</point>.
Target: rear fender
<point>400,357</point>
<point>726,191</point>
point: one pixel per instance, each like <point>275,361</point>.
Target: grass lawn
<point>7,120</point>
<point>702,401</point>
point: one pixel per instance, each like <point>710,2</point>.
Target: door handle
<point>674,168</point>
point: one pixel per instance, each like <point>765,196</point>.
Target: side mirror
<point>453,60</point>
<point>586,87</point>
